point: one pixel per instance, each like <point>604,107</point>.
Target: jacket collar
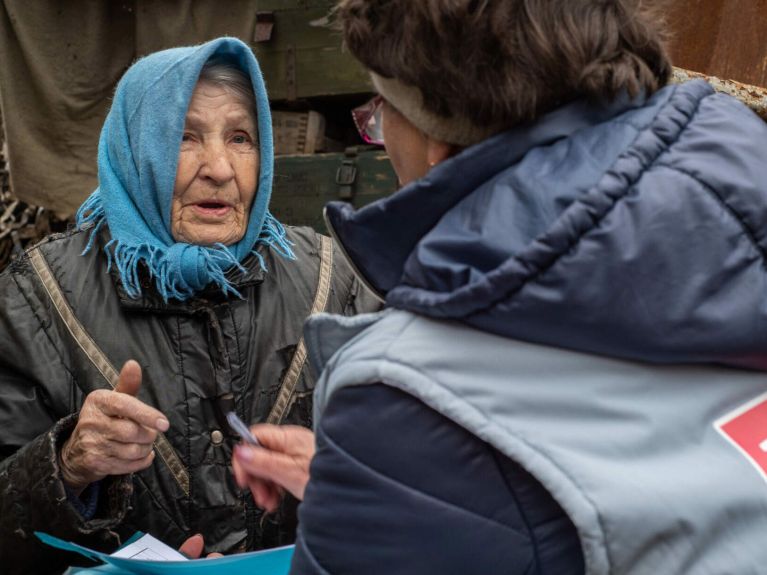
<point>378,238</point>
<point>151,300</point>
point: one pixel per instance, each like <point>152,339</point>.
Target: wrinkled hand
<point>282,464</point>
<point>194,546</point>
<point>113,435</point>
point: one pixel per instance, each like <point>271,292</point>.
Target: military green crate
<point>304,184</point>
<point>301,52</point>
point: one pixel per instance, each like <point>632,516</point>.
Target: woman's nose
<point>216,164</point>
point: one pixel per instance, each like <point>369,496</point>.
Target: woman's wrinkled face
<point>218,166</point>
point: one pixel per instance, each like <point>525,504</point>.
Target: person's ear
<point>437,151</point>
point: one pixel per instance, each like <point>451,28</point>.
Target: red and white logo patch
<point>746,428</point>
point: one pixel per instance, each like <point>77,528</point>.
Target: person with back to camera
<point>179,265</point>
<point>569,377</point>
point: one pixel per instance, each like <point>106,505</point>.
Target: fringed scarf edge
<point>218,259</point>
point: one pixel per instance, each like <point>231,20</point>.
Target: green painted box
<point>301,53</point>
<point>304,184</point>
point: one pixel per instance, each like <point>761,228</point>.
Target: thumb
<point>288,439</point>
<point>130,378</point>
<point>193,546</point>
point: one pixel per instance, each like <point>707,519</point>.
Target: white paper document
<point>147,548</point>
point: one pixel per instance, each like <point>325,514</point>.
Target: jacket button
<point>216,437</point>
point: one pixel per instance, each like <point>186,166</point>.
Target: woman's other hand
<point>282,464</point>
<point>114,433</point>
<point>194,546</point>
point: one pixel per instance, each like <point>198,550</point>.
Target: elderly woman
<point>577,282</point>
<point>178,265</point>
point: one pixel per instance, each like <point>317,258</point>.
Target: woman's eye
<point>187,137</point>
<point>241,139</point>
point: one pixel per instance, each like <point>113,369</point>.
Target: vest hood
<point>633,230</point>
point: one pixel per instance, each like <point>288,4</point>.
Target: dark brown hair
<point>509,61</point>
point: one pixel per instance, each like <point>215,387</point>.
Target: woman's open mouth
<point>212,208</point>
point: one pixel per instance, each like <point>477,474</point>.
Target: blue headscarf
<point>137,161</point>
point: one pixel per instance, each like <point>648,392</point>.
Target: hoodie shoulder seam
<point>736,215</point>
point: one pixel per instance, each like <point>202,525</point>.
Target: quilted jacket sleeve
<point>37,406</point>
<point>397,488</point>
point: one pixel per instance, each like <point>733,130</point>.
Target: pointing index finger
<point>118,404</point>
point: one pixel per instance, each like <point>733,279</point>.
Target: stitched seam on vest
<point>494,453</point>
<point>422,494</point>
<point>321,296</point>
<point>513,433</point>
<point>386,357</point>
<point>749,233</point>
<point>94,353</point>
<point>516,437</point>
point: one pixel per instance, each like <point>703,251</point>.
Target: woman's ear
<point>438,151</point>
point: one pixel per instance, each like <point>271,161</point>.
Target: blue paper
<point>269,562</point>
<point>100,570</point>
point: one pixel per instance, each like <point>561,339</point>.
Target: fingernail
<point>242,452</point>
<point>162,424</point>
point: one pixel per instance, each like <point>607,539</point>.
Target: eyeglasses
<point>367,118</point>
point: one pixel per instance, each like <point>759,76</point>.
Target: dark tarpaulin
<point>59,64</point>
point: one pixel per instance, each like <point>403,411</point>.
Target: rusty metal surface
<point>722,38</point>
<point>752,96</point>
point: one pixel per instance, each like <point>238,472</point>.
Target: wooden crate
<point>298,132</point>
<point>304,184</point>
<point>300,52</point>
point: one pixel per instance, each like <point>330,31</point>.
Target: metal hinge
<point>346,176</point>
<point>264,27</point>
<point>290,73</point>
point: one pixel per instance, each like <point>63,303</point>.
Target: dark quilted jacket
<point>191,354</point>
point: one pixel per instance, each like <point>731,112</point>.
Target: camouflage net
<point>20,224</point>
